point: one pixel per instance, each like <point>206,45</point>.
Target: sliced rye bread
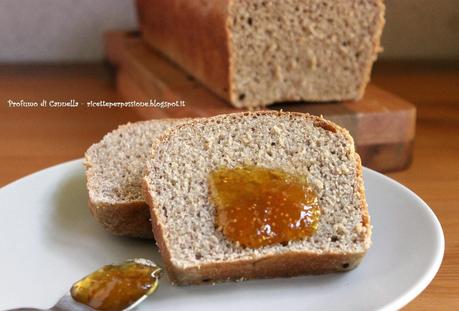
<point>176,189</point>
<point>114,171</point>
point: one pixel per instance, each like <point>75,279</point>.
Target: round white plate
<point>48,240</point>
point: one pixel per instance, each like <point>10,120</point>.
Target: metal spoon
<point>68,303</point>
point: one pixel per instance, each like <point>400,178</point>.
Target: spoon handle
<point>66,303</point>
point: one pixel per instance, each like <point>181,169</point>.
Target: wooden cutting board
<point>382,124</point>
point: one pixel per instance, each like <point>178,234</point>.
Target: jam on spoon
<point>117,287</point>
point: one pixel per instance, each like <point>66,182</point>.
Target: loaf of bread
<point>255,53</point>
<point>114,171</point>
<point>176,188</point>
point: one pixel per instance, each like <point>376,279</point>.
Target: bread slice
<point>257,52</point>
<point>114,170</point>
<point>176,189</point>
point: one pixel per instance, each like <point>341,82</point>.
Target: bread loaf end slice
<point>114,171</point>
<point>183,216</point>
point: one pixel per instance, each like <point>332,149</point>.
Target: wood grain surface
<point>381,123</point>
<point>35,138</point>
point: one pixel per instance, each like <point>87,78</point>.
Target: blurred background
<point>68,30</point>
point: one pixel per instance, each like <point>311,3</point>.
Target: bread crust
<point>124,219</point>
<point>131,219</point>
<point>376,43</point>
<point>193,34</point>
<point>266,266</point>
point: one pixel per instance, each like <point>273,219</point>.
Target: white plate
<point>48,240</point>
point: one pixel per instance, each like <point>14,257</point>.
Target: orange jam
<point>116,287</point>
<point>257,206</point>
